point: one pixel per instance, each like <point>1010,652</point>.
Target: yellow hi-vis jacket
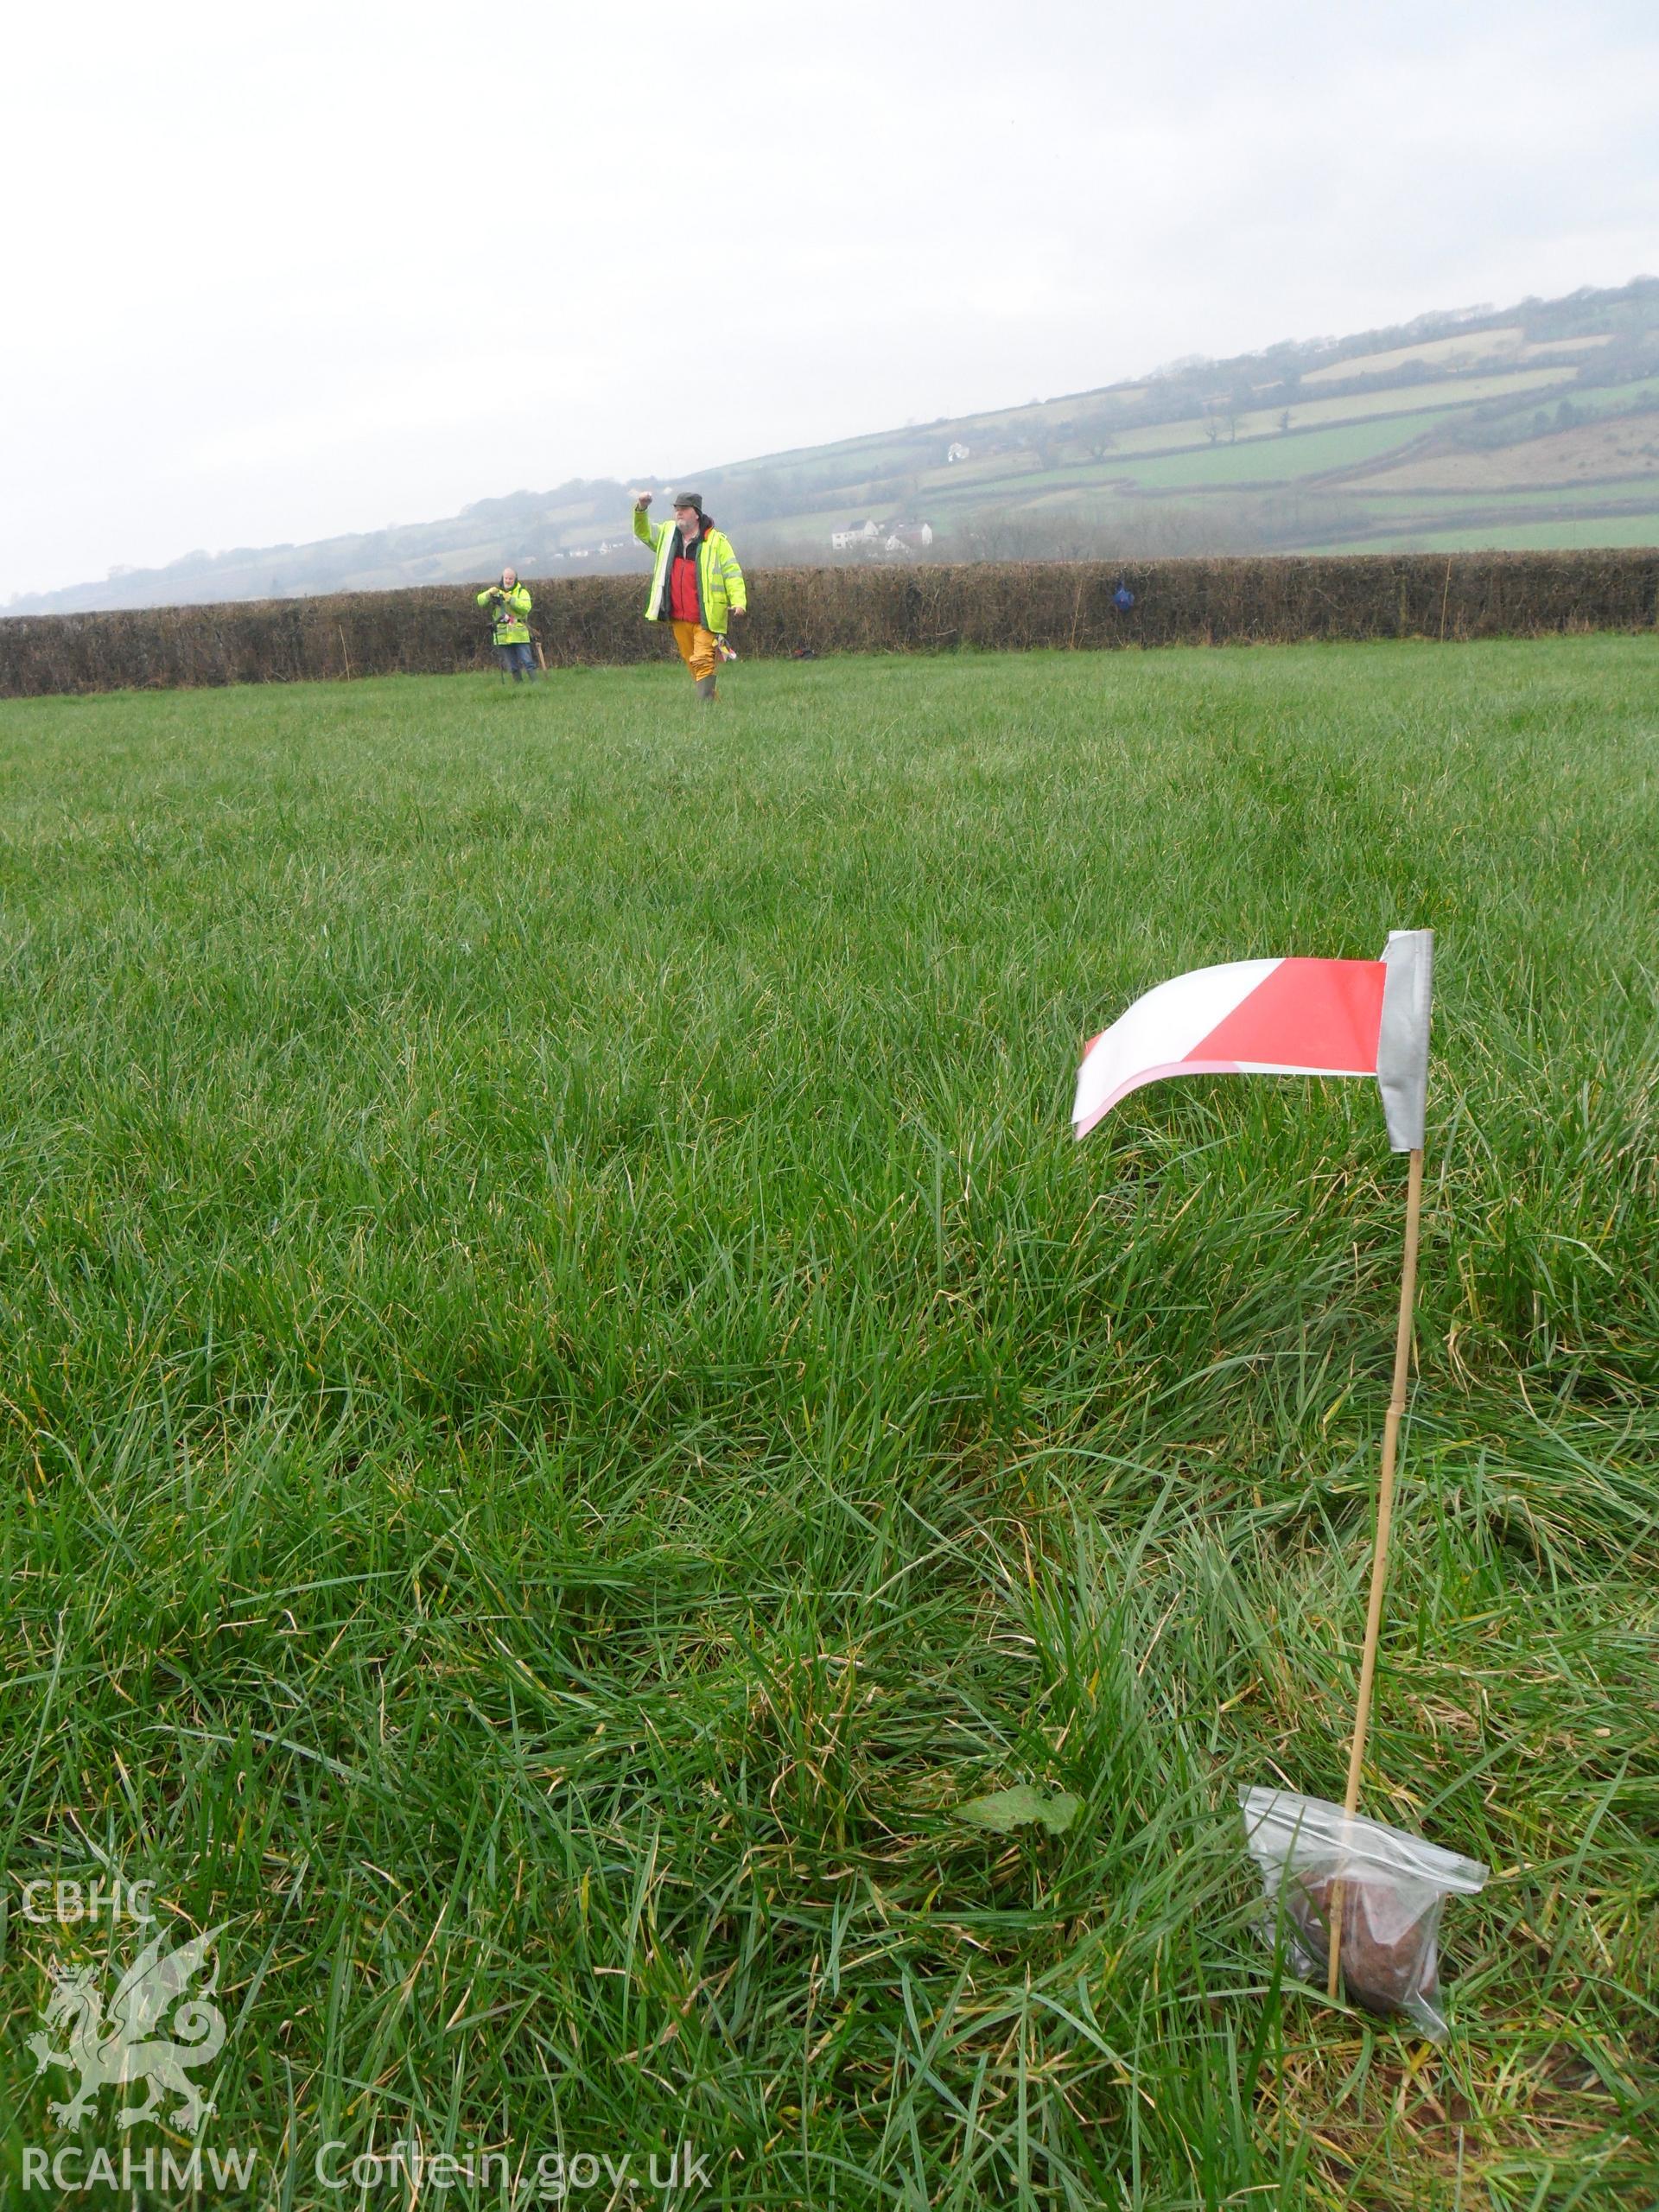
<point>720,581</point>
<point>512,608</point>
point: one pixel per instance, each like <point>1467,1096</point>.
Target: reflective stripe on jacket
<point>720,581</point>
<point>511,627</point>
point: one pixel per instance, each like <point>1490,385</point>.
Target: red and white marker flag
<point>1300,1017</point>
<point>1278,1017</point>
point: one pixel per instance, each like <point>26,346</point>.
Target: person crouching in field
<point>509,603</point>
<point>696,584</point>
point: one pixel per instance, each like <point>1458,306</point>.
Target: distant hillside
<point>538,531</point>
<point>1535,427</point>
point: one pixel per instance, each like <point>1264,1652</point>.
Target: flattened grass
<point>569,1397</point>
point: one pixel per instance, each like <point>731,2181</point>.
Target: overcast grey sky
<point>277,273</point>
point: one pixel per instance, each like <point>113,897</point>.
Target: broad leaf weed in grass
<point>569,1402</point>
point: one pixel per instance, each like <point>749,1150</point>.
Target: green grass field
<point>1591,402</point>
<point>1285,459</point>
<point>1529,504</point>
<point>1570,531</point>
<point>570,1399</point>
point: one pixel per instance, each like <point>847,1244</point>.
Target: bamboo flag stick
<point>1385,1521</point>
<point>1241,1013</point>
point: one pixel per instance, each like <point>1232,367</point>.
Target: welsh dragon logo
<point>123,2049</point>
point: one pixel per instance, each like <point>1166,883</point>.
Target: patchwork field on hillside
<point>1640,528</point>
<point>1233,469</point>
<point>570,1402</point>
<point>1597,453</point>
<point>1507,341</point>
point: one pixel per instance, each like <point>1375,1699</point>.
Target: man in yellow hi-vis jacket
<point>509,605</point>
<point>696,584</point>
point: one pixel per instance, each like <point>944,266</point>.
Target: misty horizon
<point>379,266</point>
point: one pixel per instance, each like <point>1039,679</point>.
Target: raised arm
<point>648,533</point>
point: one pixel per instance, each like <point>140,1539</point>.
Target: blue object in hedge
<point>1123,599</point>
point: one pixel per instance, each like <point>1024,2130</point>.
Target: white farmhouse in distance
<point>957,452</point>
<point>876,538</point>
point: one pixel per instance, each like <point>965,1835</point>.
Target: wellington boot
<point>706,690</point>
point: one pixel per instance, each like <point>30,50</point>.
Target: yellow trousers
<point>697,648</point>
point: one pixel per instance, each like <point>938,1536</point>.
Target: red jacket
<point>683,605</point>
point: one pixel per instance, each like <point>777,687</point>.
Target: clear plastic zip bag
<point>1389,1888</point>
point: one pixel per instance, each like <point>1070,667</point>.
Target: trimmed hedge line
<point>926,609</point>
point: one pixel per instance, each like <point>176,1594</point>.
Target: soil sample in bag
<point>1388,1954</point>
<point>1391,1886</point>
